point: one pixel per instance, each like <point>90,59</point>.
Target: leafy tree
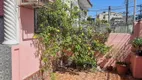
<point>61,39</point>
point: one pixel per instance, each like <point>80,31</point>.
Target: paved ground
<point>89,76</point>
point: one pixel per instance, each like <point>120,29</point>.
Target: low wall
<point>120,49</point>
<point>120,43</point>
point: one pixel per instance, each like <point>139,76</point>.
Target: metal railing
<point>35,1</point>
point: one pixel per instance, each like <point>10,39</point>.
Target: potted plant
<point>137,46</point>
<point>134,45</point>
<point>121,68</point>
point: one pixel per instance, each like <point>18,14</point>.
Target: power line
<point>117,8</point>
<point>112,9</point>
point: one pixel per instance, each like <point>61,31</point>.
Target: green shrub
<point>58,33</point>
<point>137,42</point>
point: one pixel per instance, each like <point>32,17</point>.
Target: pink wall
<point>136,65</point>
<point>135,60</point>
<point>120,49</point>
<point>121,46</point>
<point>138,29</point>
<point>1,7</point>
<point>24,60</point>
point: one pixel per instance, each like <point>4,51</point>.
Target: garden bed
<point>84,75</point>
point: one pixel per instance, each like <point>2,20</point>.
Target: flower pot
<point>136,63</point>
<point>121,69</point>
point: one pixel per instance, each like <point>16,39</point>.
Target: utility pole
<point>134,15</point>
<point>140,12</point>
<point>127,4</point>
<point>109,13</point>
<point>96,16</point>
<point>141,9</point>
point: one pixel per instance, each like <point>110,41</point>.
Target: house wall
<point>1,22</point>
<point>24,59</point>
<point>1,7</point>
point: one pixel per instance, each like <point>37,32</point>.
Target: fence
<point>119,18</point>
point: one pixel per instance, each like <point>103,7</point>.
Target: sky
<point>103,4</point>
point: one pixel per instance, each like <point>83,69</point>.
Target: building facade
<point>113,15</point>
<point>16,39</point>
<point>83,6</point>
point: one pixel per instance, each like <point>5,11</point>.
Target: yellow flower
<point>97,40</point>
<point>58,30</point>
<point>35,36</point>
<point>82,34</point>
<point>89,48</point>
<point>49,34</point>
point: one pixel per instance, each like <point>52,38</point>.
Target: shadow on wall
<point>28,43</point>
<point>27,22</point>
<point>119,51</point>
<point>121,47</point>
<point>1,29</point>
<point>39,50</point>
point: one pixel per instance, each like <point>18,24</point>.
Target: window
<point>37,29</point>
<point>104,17</point>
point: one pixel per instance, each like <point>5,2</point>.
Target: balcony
<point>33,3</point>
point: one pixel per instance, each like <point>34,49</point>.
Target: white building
<point>83,5</point>
<point>113,15</point>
